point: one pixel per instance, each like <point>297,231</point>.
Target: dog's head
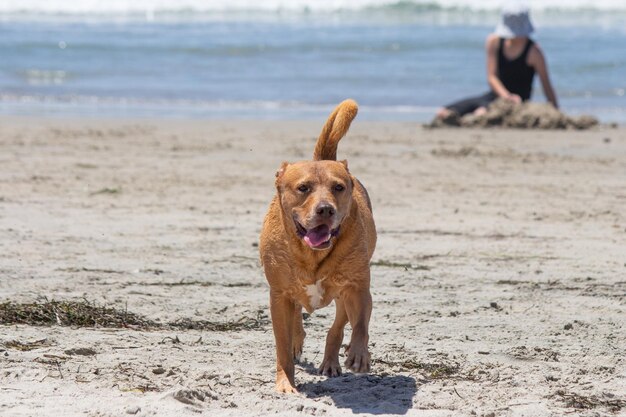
<point>317,196</point>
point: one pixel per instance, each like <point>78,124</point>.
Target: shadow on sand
<point>372,394</point>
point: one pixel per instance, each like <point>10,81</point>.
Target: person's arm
<point>538,62</point>
<point>491,48</point>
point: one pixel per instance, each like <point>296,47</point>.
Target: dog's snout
<point>325,210</point>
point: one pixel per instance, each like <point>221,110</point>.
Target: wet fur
<point>304,277</point>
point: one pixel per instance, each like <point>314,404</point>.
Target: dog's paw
<point>330,368</point>
<point>357,360</point>
<point>297,350</point>
<point>284,386</point>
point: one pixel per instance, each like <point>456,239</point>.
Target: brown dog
<point>317,241</point>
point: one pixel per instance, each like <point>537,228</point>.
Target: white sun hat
<point>514,22</point>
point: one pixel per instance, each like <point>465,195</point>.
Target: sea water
<point>275,59</point>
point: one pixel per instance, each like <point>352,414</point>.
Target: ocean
<point>400,60</point>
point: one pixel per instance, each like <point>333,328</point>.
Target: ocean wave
<point>122,107</point>
<point>204,104</point>
<point>201,105</point>
<point>151,7</point>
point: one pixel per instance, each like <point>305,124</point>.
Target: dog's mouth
<point>317,237</point>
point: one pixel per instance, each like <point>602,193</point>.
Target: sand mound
<point>502,113</point>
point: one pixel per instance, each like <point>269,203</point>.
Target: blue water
<point>398,66</point>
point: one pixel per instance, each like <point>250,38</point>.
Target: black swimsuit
<point>515,74</point>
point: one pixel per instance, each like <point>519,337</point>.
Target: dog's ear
<point>280,172</point>
<point>344,162</point>
<point>282,168</point>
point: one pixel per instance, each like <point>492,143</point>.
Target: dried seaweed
<point>244,323</point>
<point>87,314</point>
<point>434,370</point>
<point>107,190</point>
<point>69,313</point>
<point>581,402</point>
<point>406,266</point>
<point>26,346</point>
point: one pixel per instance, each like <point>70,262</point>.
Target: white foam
<point>153,6</point>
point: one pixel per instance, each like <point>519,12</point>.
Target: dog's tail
<point>335,128</point>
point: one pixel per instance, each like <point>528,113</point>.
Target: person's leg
<point>443,112</point>
<point>483,103</point>
<point>461,107</point>
<point>480,111</point>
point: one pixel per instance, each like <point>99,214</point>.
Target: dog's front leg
<point>358,304</point>
<point>283,311</point>
<point>330,365</point>
<point>298,333</point>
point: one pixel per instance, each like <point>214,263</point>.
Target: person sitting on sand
<point>512,60</point>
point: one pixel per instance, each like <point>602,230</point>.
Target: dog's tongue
<point>317,235</point>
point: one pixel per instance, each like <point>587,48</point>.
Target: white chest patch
<point>316,294</point>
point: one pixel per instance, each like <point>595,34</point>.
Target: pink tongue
<point>317,235</point>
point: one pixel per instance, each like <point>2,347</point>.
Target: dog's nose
<point>325,210</point>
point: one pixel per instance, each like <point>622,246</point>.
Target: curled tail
<point>335,128</point>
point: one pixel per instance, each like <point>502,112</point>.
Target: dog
<point>315,247</point>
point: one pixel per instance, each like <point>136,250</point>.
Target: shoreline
<point>312,120</point>
<point>418,114</point>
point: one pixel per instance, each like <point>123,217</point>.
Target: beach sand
<point>499,280</point>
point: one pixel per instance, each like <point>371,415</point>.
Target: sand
<point>499,280</point>
<point>528,115</point>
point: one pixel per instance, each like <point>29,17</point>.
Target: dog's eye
<point>303,188</point>
<point>339,187</point>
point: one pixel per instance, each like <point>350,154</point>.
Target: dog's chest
<point>313,295</point>
<point>316,294</point>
